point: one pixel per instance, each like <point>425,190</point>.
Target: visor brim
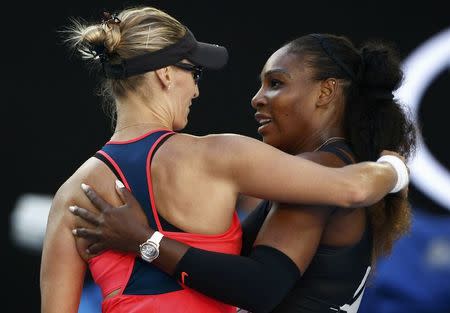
<point>209,56</point>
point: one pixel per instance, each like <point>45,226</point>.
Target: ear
<point>328,91</point>
<point>164,76</point>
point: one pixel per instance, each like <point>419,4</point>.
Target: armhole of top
<point>102,158</point>
<point>159,144</point>
<point>165,225</point>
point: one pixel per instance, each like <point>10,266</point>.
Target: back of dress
<point>141,286</point>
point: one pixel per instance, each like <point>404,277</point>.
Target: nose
<point>258,99</point>
<point>197,92</point>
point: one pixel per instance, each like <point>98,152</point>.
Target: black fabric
<point>202,54</point>
<point>308,305</point>
<point>330,280</point>
<point>256,283</point>
<point>102,158</point>
<point>252,224</point>
<point>340,149</point>
<point>334,273</point>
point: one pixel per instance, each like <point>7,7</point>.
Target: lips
<point>263,120</point>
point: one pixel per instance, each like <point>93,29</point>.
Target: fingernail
<point>119,184</point>
<point>74,231</point>
<point>72,208</point>
<point>84,187</point>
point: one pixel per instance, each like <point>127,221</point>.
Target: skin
<point>198,163</point>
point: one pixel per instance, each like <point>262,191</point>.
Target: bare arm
<point>64,259</point>
<point>248,163</point>
<point>295,230</point>
<point>62,268</point>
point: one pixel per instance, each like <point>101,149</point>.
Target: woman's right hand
<point>121,228</point>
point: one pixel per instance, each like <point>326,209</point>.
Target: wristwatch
<point>150,248</point>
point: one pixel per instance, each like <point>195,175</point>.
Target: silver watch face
<point>149,251</point>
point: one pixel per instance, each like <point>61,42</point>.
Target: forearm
<point>370,181</point>
<point>256,283</point>
<point>62,271</point>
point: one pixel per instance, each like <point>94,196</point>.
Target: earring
<point>168,86</point>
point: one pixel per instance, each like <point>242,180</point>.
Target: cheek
<point>294,122</point>
<point>288,114</point>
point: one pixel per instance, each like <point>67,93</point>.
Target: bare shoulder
<point>92,172</point>
<point>239,146</point>
<point>213,147</point>
<point>219,141</point>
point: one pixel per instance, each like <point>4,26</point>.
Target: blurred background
<point>53,121</point>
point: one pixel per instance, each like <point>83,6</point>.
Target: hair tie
<point>108,18</point>
<point>98,51</point>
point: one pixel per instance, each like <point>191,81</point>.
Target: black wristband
<point>256,283</point>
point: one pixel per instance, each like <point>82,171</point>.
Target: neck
<point>317,140</point>
<point>135,120</point>
<point>328,141</point>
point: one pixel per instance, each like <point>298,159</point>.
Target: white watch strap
<point>156,237</point>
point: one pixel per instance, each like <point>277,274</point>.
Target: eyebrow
<point>275,71</point>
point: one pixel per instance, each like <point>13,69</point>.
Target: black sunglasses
<point>195,70</point>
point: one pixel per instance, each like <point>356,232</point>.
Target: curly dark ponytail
<point>375,121</point>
